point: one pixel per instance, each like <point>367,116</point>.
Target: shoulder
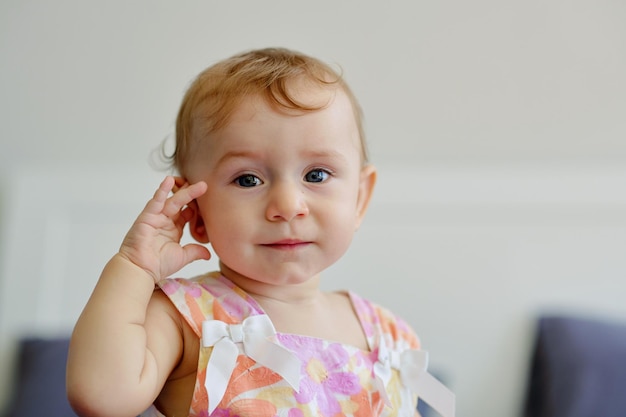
<point>208,297</point>
<point>393,327</point>
<point>194,287</point>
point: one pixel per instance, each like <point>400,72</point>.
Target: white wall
<point>499,129</point>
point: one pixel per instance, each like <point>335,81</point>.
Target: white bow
<point>412,365</point>
<point>254,337</point>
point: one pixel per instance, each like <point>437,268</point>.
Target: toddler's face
<point>286,192</point>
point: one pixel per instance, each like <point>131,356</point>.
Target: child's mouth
<point>287,244</point>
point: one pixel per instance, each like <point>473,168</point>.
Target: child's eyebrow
<point>324,154</point>
<point>242,154</point>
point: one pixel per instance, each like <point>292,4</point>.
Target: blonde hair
<point>217,91</point>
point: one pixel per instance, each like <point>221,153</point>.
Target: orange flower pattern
<point>336,380</point>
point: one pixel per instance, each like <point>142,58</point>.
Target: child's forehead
<point>332,109</point>
<point>256,124</point>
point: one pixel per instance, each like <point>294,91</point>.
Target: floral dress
<point>246,368</point>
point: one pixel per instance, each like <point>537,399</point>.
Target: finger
<point>185,216</point>
<point>155,205</point>
<point>198,189</point>
<point>179,183</point>
<point>164,188</point>
<point>184,196</point>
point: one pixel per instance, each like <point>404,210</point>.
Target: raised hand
<point>153,241</point>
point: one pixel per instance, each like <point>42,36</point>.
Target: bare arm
<point>117,363</point>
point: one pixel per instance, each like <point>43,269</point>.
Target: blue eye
<point>316,175</point>
<point>248,181</point>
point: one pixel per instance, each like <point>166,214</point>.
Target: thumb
<point>194,252</point>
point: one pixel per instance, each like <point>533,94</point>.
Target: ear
<point>366,189</point>
<point>196,224</point>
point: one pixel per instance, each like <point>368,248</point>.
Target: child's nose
<point>286,202</point>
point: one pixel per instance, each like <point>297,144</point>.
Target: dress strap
<point>209,297</point>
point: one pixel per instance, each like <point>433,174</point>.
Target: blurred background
<point>499,131</point>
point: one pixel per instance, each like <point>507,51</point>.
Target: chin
<point>276,275</point>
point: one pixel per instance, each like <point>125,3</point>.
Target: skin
<point>279,195</point>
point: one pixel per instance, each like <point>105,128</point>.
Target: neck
<point>266,292</point>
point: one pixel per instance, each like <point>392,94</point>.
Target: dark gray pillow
<point>39,388</point>
<point>578,368</point>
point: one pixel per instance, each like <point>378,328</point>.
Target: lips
<point>287,244</point>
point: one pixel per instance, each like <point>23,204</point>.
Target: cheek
<point>224,238</point>
<point>338,238</point>
<point>340,221</point>
<point>227,223</point>
<point>219,220</point>
<point>343,207</point>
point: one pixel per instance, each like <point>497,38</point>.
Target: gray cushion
<point>39,389</point>
<point>578,368</point>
